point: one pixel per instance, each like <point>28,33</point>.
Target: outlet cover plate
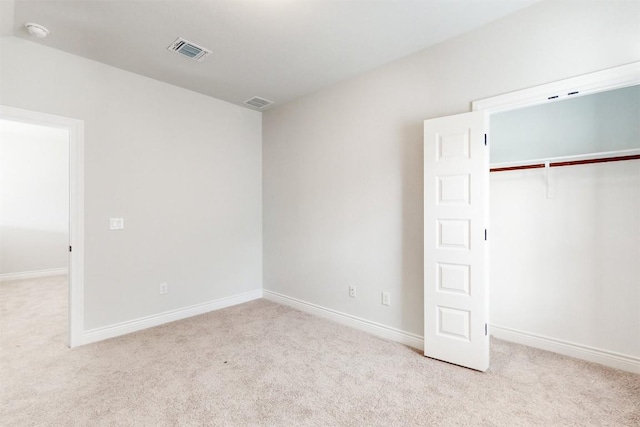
<point>116,223</point>
<point>164,288</point>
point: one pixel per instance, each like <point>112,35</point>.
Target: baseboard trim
<point>116,330</point>
<point>380,330</point>
<point>567,348</point>
<point>33,274</point>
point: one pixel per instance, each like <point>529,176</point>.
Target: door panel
<point>456,177</point>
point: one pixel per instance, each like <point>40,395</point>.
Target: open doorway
<point>42,220</point>
<point>34,230</point>
<point>565,212</point>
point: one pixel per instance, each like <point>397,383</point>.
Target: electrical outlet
<point>352,291</point>
<point>116,223</point>
<point>164,288</point>
<point>386,298</point>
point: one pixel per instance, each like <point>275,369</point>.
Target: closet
<point>565,225</point>
<point>565,215</point>
<point>532,222</point>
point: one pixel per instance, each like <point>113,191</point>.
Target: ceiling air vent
<point>188,49</point>
<point>258,102</point>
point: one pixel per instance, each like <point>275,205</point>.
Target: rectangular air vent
<point>188,49</point>
<point>258,102</point>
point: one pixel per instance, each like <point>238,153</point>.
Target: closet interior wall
<point>565,252</point>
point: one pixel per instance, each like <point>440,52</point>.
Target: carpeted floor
<point>263,364</point>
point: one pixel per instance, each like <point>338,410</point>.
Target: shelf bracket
<point>551,187</point>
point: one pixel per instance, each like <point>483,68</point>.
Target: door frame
<point>586,84</point>
<point>76,207</point>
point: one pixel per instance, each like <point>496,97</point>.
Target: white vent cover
<point>188,49</point>
<point>258,102</point>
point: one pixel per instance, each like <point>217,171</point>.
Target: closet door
<point>456,268</point>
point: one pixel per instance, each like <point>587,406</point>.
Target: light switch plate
<point>116,223</point>
<point>386,298</point>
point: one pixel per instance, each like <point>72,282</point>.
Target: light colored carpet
<point>263,364</point>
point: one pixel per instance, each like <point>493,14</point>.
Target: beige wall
<point>182,169</point>
<point>342,168</point>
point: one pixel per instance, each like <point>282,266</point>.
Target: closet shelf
<point>582,159</point>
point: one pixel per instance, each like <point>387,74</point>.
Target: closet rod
<point>567,163</point>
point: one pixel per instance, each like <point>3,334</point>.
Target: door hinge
<point>69,248</point>
<point>485,329</point>
<point>485,234</point>
<point>485,139</point>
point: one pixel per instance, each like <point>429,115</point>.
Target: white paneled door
<point>456,219</point>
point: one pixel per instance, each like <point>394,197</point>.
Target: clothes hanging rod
<point>558,162</point>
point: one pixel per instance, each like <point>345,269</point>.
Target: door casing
<point>75,128</point>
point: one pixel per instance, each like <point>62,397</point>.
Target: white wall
<point>34,197</point>
<point>342,182</point>
<point>569,267</point>
<point>182,169</point>
<point>605,121</point>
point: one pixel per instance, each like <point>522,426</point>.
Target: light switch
<point>116,223</point>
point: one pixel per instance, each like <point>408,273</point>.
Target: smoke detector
<point>188,49</point>
<point>258,102</point>
<point>37,30</point>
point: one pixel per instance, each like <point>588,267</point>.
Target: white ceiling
<point>275,49</point>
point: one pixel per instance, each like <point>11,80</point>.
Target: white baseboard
<point>591,354</point>
<point>383,331</point>
<point>33,274</point>
<point>603,357</point>
<point>135,325</point>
